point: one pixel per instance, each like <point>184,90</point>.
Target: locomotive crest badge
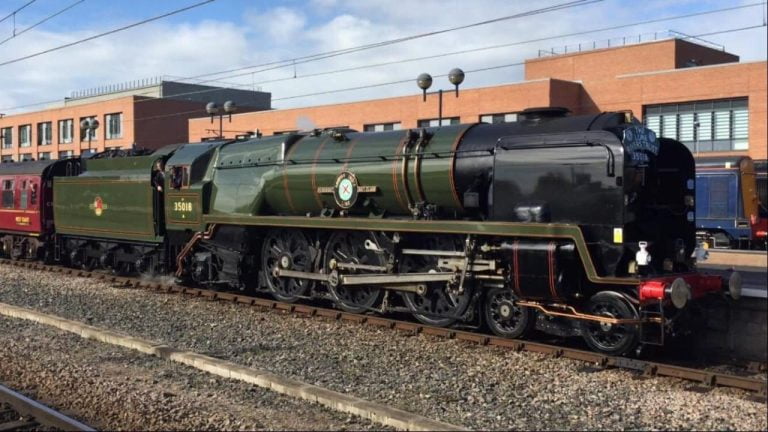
<point>98,206</point>
<point>346,190</point>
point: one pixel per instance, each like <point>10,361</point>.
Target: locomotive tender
<point>578,225</point>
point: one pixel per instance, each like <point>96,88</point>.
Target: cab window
<point>180,177</point>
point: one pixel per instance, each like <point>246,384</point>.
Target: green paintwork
<point>242,170</point>
<point>504,229</point>
<point>281,175</point>
<point>184,207</point>
<point>124,187</point>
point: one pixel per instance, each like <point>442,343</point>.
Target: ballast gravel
<point>446,380</point>
<point>111,388</point>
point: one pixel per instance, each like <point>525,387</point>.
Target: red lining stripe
<point>398,196</point>
<point>551,258</point>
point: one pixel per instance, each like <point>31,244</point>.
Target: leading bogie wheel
<point>286,249</point>
<point>611,338</point>
<point>504,316</point>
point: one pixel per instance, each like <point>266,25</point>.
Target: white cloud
<point>267,35</point>
<point>281,24</point>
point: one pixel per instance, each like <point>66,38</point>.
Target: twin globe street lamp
<point>89,126</point>
<point>424,81</point>
<point>214,109</point>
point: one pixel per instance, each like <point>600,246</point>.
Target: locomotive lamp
<point>424,81</point>
<point>213,109</point>
<point>89,126</point>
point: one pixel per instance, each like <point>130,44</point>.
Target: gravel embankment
<point>113,388</point>
<point>446,380</point>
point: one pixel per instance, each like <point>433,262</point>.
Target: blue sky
<point>236,33</point>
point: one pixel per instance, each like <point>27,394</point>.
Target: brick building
<point>148,113</point>
<point>700,95</point>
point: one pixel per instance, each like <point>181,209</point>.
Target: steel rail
<point>705,379</point>
<point>37,413</point>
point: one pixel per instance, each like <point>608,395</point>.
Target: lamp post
<point>214,109</point>
<point>89,125</point>
<point>424,81</point>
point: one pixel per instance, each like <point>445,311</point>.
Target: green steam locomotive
<point>573,225</point>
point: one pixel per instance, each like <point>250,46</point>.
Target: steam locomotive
<point>573,225</point>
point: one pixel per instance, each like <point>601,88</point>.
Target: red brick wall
<point>691,84</point>
<point>408,110</point>
<point>603,64</point>
<point>98,109</point>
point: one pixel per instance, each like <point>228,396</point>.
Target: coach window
<point>7,193</point>
<point>24,196</point>
<point>33,194</point>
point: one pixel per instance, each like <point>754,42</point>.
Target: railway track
<point>703,379</point>
<point>20,413</point>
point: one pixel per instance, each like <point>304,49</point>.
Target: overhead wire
<point>400,61</point>
<point>43,21</point>
<point>19,9</point>
<point>107,33</point>
<point>328,54</point>
<point>484,69</point>
<point>323,55</point>
<point>477,70</point>
<point>485,48</point>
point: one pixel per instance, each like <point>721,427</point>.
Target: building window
<point>6,136</point>
<point>380,127</point>
<point>26,157</point>
<point>499,118</point>
<point>66,154</point>
<point>7,158</point>
<point>87,134</point>
<point>44,133</point>
<point>25,136</point>
<point>703,126</point>
<point>44,156</point>
<point>66,131</point>
<point>434,122</point>
<point>88,152</point>
<point>114,125</point>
